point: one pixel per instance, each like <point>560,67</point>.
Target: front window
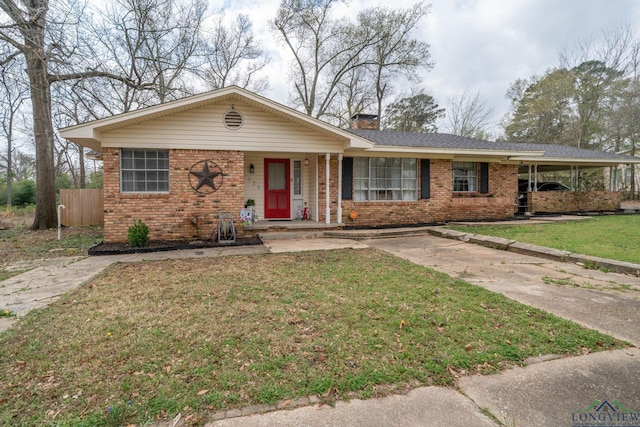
<point>144,171</point>
<point>465,176</point>
<point>378,178</point>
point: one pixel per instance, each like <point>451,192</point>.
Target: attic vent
<point>233,119</point>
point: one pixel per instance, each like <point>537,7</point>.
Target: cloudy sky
<point>477,45</point>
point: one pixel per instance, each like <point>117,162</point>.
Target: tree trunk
<point>83,177</point>
<point>632,190</point>
<point>9,169</point>
<point>45,215</point>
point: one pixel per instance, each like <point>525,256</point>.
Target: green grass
<point>197,336</point>
<point>20,243</point>
<point>614,237</point>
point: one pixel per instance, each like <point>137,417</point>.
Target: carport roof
<point>551,155</point>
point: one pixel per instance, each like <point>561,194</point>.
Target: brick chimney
<point>365,121</point>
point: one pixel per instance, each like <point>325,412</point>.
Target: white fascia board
<point>578,161</point>
<point>500,154</point>
<point>86,136</point>
<point>356,142</point>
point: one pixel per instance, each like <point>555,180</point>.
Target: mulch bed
<point>167,245</point>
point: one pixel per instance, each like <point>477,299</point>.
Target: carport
<point>564,158</point>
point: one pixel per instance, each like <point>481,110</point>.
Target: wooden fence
<point>83,206</point>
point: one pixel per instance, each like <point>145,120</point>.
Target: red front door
<point>276,189</point>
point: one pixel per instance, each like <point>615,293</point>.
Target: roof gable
<point>91,134</point>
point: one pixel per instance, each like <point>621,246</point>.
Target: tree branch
<point>92,74</point>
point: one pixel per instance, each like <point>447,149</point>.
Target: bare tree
<point>354,94</point>
<point>23,167</point>
<point>13,94</point>
<point>233,56</point>
<point>396,54</point>
<point>42,35</point>
<point>325,50</point>
<point>468,115</point>
<point>153,43</point>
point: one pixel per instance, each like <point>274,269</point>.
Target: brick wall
<point>169,216</point>
<point>573,201</point>
<point>365,121</point>
<point>441,206</point>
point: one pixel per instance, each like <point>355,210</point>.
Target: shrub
<point>24,193</point>
<point>138,234</point>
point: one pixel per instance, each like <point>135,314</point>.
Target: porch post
<point>610,178</point>
<point>339,213</point>
<point>529,181</point>
<point>535,177</point>
<point>327,214</point>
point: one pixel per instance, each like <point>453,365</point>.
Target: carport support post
<point>327,213</point>
<point>339,212</point>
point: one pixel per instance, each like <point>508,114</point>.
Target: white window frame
<point>144,171</point>
<point>376,180</point>
<point>465,175</point>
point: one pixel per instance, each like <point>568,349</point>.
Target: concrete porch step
<point>377,233</point>
<point>290,235</point>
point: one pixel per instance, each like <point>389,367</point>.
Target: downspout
<point>316,211</point>
<point>60,207</point>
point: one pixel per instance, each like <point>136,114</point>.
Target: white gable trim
<point>91,134</point>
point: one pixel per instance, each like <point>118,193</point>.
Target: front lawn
<point>614,237</point>
<point>152,339</point>
<point>19,243</point>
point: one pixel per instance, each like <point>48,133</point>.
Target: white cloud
<point>477,45</point>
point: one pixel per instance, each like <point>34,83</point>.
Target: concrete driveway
<point>608,302</point>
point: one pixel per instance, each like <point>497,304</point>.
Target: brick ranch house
<point>177,165</point>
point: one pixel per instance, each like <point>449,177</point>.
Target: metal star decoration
<point>209,176</point>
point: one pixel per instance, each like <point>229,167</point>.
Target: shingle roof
<point>564,151</point>
<point>443,140</point>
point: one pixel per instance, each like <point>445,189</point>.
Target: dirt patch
<point>167,245</point>
<point>16,217</point>
<point>21,244</point>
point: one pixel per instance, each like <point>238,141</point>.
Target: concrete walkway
<point>552,392</point>
<point>607,302</point>
<point>49,279</point>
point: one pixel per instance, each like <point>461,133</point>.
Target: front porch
<point>281,187</point>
